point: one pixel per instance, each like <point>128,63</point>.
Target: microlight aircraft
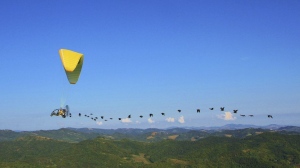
<point>72,62</point>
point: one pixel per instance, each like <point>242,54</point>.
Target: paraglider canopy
<point>72,62</point>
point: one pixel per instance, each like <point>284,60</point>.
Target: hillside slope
<point>262,150</point>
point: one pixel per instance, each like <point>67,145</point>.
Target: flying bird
<point>179,110</point>
<point>198,110</point>
<point>120,118</point>
<point>163,114</point>
<point>129,116</point>
<point>141,116</point>
<point>251,115</point>
<point>79,114</point>
<point>270,116</point>
<point>211,108</point>
<point>235,111</point>
<point>222,108</point>
<point>242,115</point>
<point>102,117</point>
<point>151,115</point>
<point>111,118</point>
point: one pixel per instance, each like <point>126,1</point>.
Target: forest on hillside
<point>266,149</point>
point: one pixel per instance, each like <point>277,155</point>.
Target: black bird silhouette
<point>151,115</point>
<point>141,116</point>
<point>92,118</point>
<point>251,115</point>
<point>111,118</point>
<point>242,115</point>
<point>270,116</point>
<point>222,108</point>
<point>88,116</point>
<point>235,111</point>
<point>105,120</point>
<point>129,116</point>
<point>85,115</point>
<point>211,108</point>
<point>95,119</point>
<point>163,114</point>
<point>91,114</point>
<point>79,114</point>
<point>102,117</point>
<point>179,110</point>
<point>120,118</point>
<point>198,110</point>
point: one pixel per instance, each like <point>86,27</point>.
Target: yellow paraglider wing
<point>72,62</point>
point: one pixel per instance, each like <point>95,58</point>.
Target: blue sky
<point>146,57</point>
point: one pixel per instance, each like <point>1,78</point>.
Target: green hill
<point>61,134</point>
<point>261,150</point>
<point>143,135</point>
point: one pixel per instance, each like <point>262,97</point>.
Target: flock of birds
<point>91,116</point>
